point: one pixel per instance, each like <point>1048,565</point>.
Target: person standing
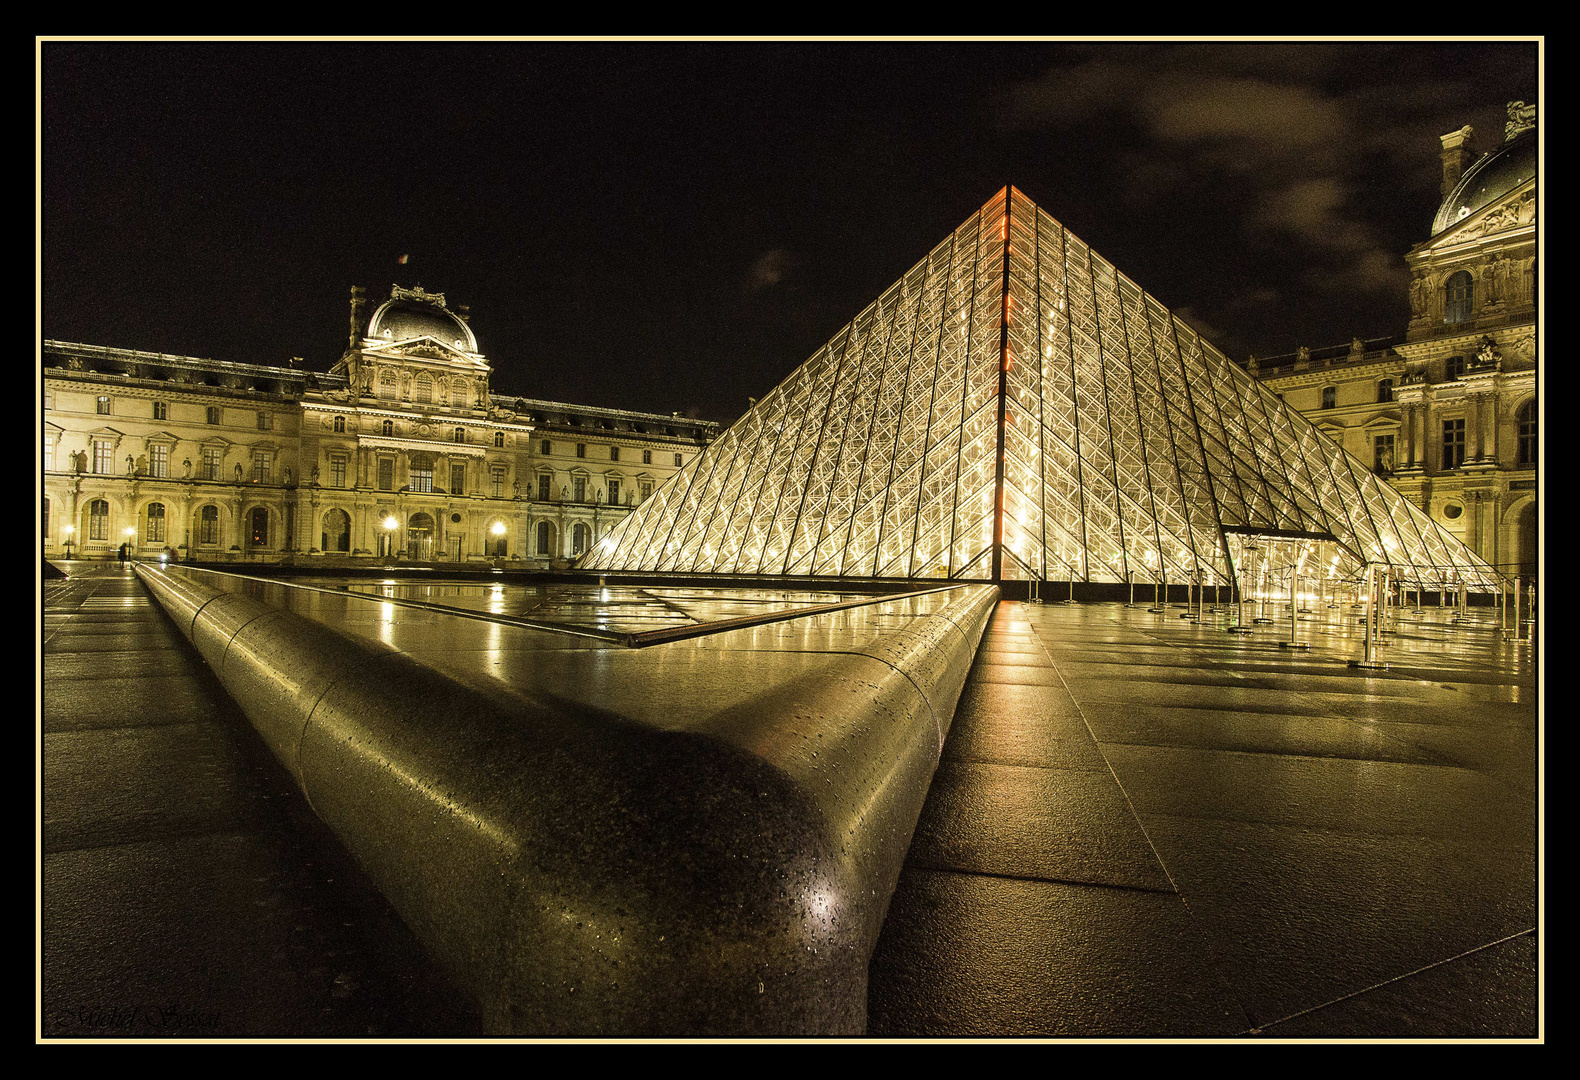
<point>126,553</point>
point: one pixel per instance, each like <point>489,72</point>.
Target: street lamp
<point>69,529</point>
<point>498,531</point>
<point>390,525</point>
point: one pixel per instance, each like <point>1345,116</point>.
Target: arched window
<point>208,525</point>
<point>1384,390</point>
<point>1525,426</point>
<point>1330,396</point>
<point>499,440</point>
<point>98,520</point>
<point>580,537</point>
<point>459,396</point>
<point>340,425</point>
<point>545,535</point>
<point>337,531</point>
<point>387,387</point>
<point>423,394</point>
<point>259,519</point>
<point>154,526</point>
<point>1457,291</point>
<point>460,434</point>
<point>387,427</point>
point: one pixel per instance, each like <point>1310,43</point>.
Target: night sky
<point>675,226</point>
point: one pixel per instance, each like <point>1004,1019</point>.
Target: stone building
<point>400,450</point>
<point>1450,414</point>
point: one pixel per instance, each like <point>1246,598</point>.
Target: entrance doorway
<point>419,537</point>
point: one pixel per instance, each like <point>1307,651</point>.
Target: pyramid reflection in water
<point>1013,407</point>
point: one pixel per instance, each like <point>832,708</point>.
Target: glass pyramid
<point>1012,408</point>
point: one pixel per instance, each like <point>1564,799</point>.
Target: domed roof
<point>1489,180</point>
<point>413,313</point>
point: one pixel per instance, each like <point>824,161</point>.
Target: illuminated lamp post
<point>69,530</point>
<point>390,525</point>
<point>498,531</point>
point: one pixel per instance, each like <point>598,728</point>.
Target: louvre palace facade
<point>399,451</point>
<point>1450,414</point>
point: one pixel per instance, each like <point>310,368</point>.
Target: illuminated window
<point>49,452</point>
<point>1382,455</point>
<point>98,520</point>
<point>1525,421</point>
<point>154,527</point>
<point>260,526</point>
<point>103,405</point>
<point>421,479</point>
<point>1457,292</point>
<point>1453,443</point>
<point>1330,396</point>
<point>103,454</point>
<point>213,461</point>
<point>159,461</point>
<point>161,410</point>
<point>208,525</point>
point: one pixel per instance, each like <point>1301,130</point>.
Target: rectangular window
<point>98,520</point>
<point>497,482</point>
<point>215,415</point>
<point>208,525</point>
<point>1384,390</point>
<point>614,453</point>
<point>457,479</point>
<point>103,405</point>
<point>1382,455</point>
<point>1453,443</point>
<point>421,479</point>
<point>545,487</point>
<point>581,449</point>
<point>581,489</point>
<point>546,447</point>
<point>155,532</point>
<point>460,434</point>
<point>1453,367</point>
<point>49,453</point>
<point>159,461</point>
<point>337,471</point>
<point>646,488</point>
<point>103,452</point>
<point>614,493</point>
<point>647,457</point>
<point>679,461</point>
<point>161,410</point>
<point>262,467</point>
<point>386,474</point>
<point>213,461</point>
<point>265,421</point>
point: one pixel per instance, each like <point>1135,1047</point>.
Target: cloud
<point>769,269</point>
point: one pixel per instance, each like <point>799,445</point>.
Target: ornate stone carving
<point>1419,291</point>
<point>417,293</point>
<point>1521,117</point>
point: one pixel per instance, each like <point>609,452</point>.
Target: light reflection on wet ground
<point>614,608</point>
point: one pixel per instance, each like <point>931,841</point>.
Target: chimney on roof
<point>1457,155</point>
<point>357,301</point>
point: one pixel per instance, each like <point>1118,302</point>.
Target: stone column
<point>1479,413</point>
